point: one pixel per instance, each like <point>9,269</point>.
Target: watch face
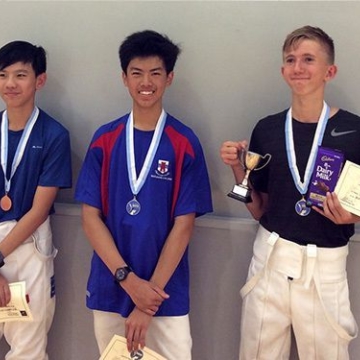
<point>121,274</point>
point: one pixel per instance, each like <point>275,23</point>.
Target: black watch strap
<point>2,257</point>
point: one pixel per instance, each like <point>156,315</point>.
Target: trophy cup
<point>249,160</point>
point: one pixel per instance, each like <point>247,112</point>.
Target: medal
<point>302,186</point>
<point>136,183</point>
<point>5,203</point>
<point>301,208</point>
<point>133,207</point>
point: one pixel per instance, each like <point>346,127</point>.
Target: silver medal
<point>301,208</point>
<point>133,207</point>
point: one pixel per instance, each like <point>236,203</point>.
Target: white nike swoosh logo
<point>340,133</point>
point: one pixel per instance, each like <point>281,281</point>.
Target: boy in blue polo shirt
<point>35,163</point>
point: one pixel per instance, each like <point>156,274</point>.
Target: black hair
<point>25,52</point>
<point>147,43</point>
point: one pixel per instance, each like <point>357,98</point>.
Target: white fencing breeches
<point>303,287</point>
<point>33,263</point>
<point>169,336</point>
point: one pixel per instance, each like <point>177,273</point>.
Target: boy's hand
<point>146,295</point>
<point>5,295</point>
<point>333,210</point>
<point>136,326</point>
<point>229,152</point>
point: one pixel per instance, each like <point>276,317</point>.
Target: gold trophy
<point>249,160</point>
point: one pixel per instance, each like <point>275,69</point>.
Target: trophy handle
<point>242,157</point>
<point>268,156</point>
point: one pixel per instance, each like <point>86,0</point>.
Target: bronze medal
<point>5,203</point>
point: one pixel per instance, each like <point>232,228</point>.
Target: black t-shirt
<point>343,133</point>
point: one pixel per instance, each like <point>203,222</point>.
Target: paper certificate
<point>348,187</point>
<point>17,309</point>
<point>117,350</point>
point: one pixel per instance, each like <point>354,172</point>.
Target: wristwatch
<point>2,262</point>
<point>122,273</point>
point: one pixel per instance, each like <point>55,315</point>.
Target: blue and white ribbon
<point>302,186</point>
<point>20,148</point>
<point>136,183</point>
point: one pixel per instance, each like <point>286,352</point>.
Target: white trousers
<point>303,287</point>
<point>169,336</point>
<point>31,262</point>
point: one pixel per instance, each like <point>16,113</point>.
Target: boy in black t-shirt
<point>297,277</point>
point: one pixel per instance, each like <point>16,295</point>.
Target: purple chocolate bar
<point>327,168</point>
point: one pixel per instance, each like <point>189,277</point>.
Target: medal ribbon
<point>137,183</point>
<point>20,148</point>
<point>302,186</point>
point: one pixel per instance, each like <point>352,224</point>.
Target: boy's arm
<point>25,227</point>
<point>100,238</point>
<point>173,249</point>
<point>146,295</point>
<point>171,254</point>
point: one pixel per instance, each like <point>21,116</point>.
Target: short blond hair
<point>311,33</point>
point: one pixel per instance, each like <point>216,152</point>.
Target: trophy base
<point>241,193</point>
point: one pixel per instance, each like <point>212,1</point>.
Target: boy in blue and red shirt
<point>143,182</point>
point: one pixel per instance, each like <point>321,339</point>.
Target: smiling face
<point>18,85</point>
<point>147,80</point>
<point>306,68</point>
